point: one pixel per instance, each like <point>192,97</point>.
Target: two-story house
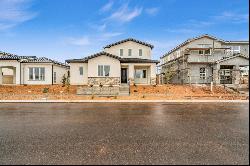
<point>205,59</point>
<point>123,62</point>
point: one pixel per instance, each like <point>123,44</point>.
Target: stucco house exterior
<point>30,70</point>
<point>127,61</point>
<point>205,59</point>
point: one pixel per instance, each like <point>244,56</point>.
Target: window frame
<point>81,71</point>
<point>129,52</point>
<point>121,52</point>
<point>54,77</point>
<point>36,73</point>
<point>140,52</point>
<point>101,70</point>
<point>203,74</point>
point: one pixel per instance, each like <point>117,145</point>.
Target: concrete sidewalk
<point>124,101</point>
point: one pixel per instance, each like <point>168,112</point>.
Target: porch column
<point>216,75</point>
<point>236,75</point>
<point>152,74</point>
<point>131,74</point>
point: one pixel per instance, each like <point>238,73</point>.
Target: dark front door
<point>124,75</point>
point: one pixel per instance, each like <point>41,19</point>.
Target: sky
<point>66,29</point>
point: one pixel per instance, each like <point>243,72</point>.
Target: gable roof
<point>122,60</point>
<point>231,57</point>
<point>191,40</point>
<point>85,60</point>
<point>29,59</point>
<point>130,39</point>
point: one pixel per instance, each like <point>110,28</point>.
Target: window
<point>121,52</point>
<point>235,49</point>
<point>140,73</point>
<point>202,73</point>
<point>54,77</point>
<point>103,70</point>
<point>81,71</point>
<point>37,73</point>
<point>140,52</point>
<point>129,52</point>
<point>206,52</point>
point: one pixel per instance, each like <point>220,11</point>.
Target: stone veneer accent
<point>153,80</point>
<point>97,90</point>
<point>104,80</point>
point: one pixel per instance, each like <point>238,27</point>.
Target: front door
<point>124,75</point>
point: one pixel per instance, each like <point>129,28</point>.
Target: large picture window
<point>103,70</point>
<point>140,73</point>
<point>37,73</point>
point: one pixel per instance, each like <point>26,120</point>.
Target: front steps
<point>124,90</point>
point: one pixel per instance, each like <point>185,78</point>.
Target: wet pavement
<point>124,133</point>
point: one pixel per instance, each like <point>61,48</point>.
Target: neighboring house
<point>30,70</point>
<point>123,62</point>
<point>205,59</point>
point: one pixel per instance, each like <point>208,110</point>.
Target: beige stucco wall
<point>48,73</point>
<point>60,71</point>
<point>11,63</point>
<point>75,77</point>
<point>115,67</point>
<point>115,50</point>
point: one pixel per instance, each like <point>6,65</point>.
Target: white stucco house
<point>30,70</point>
<point>123,62</point>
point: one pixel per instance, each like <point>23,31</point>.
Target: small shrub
<point>143,96</point>
<point>101,85</point>
<point>135,85</point>
<point>92,97</point>
<point>45,90</point>
<point>135,90</point>
<point>154,85</point>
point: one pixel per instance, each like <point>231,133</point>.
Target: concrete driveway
<point>124,133</point>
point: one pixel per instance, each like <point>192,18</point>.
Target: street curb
<point>124,101</point>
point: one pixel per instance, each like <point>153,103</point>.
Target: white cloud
<point>152,11</point>
<point>81,41</point>
<point>111,34</point>
<point>14,12</point>
<point>107,6</point>
<point>233,17</point>
<point>124,14</point>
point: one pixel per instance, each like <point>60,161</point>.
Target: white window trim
<point>103,71</point>
<point>39,74</point>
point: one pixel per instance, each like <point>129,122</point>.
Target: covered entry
<point>7,75</point>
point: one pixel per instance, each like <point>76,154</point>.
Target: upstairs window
<point>129,52</point>
<point>205,52</point>
<point>121,52</point>
<point>81,71</point>
<point>235,49</point>
<point>140,52</point>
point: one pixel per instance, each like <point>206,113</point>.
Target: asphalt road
<point>124,133</point>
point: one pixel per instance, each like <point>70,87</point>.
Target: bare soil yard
<point>159,92</point>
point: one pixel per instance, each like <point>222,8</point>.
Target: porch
<point>8,75</point>
<point>140,74</point>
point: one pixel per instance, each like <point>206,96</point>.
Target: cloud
<point>15,12</point>
<point>107,6</point>
<point>124,14</point>
<point>181,30</point>
<point>81,41</point>
<point>152,11</point>
<point>233,17</point>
